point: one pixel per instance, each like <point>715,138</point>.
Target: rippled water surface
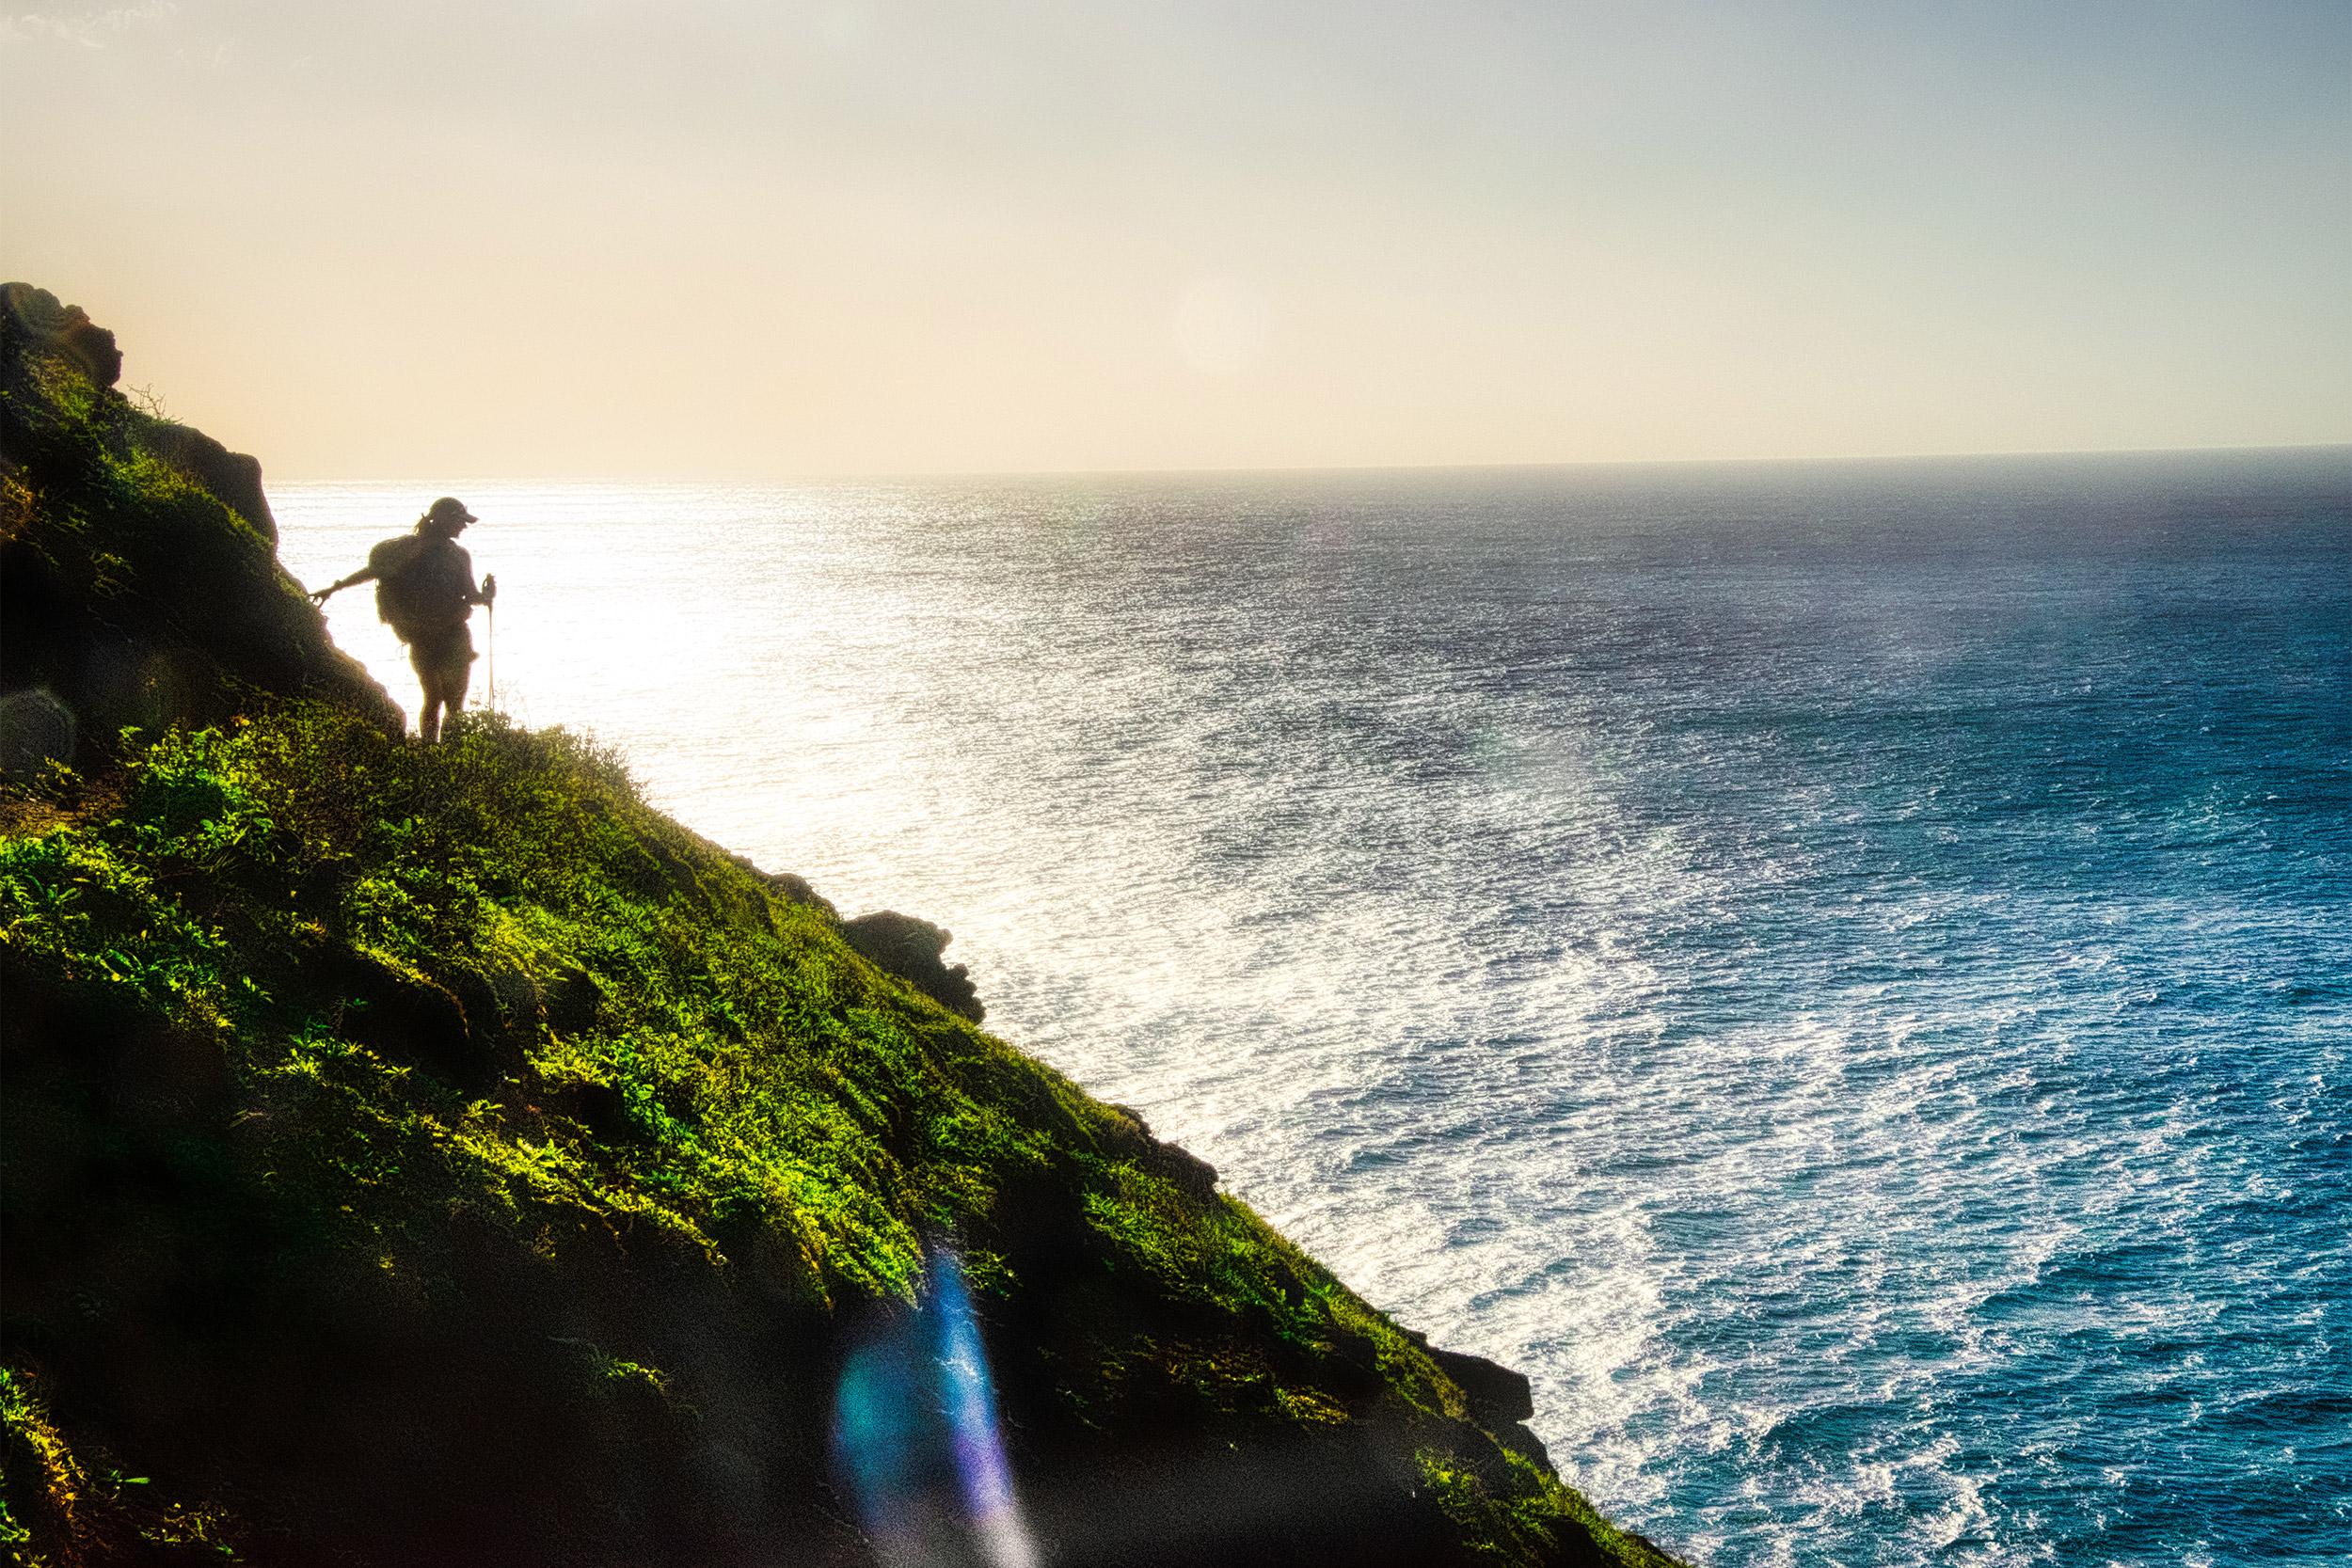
<point>1842,971</point>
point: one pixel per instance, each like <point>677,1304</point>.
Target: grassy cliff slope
<point>435,1155</point>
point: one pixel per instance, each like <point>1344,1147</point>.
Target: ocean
<point>1842,972</point>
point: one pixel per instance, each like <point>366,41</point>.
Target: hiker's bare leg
<point>443,665</point>
<point>429,683</point>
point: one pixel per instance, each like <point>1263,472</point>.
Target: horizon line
<point>903,475</point>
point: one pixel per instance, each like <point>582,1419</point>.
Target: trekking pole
<point>490,641</point>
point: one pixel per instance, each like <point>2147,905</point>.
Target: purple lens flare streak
<point>916,1439</point>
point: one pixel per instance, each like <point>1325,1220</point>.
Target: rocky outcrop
<point>42,327</point>
<point>789,885</point>
<point>229,476</point>
<point>182,614</point>
<point>1131,1139</point>
<point>910,948</point>
<point>1501,1399</point>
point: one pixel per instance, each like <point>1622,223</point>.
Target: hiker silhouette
<point>424,590</point>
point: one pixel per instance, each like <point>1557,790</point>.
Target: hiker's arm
<point>487,592</point>
<point>365,574</point>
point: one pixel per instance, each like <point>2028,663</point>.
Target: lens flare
<point>915,1441</point>
<point>1222,325</point>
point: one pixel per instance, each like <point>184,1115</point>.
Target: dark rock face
<point>35,727</point>
<point>37,319</point>
<point>789,885</point>
<point>40,326</point>
<point>126,599</point>
<point>1501,1399</point>
<point>231,476</point>
<point>910,949</point>
<point>1191,1173</point>
<point>1496,1392</point>
<point>458,1034</point>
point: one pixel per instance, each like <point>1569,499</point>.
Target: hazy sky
<point>628,238</point>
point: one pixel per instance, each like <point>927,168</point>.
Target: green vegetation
<point>133,593</point>
<point>436,1154</point>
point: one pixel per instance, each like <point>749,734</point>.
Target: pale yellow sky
<point>620,238</point>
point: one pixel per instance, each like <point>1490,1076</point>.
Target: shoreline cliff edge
<point>437,1155</point>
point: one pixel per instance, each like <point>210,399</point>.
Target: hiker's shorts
<point>442,657</point>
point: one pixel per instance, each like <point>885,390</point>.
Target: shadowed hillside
<point>436,1155</point>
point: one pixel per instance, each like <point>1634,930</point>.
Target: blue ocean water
<point>1843,972</point>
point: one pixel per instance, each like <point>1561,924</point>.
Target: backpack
<point>420,584</point>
